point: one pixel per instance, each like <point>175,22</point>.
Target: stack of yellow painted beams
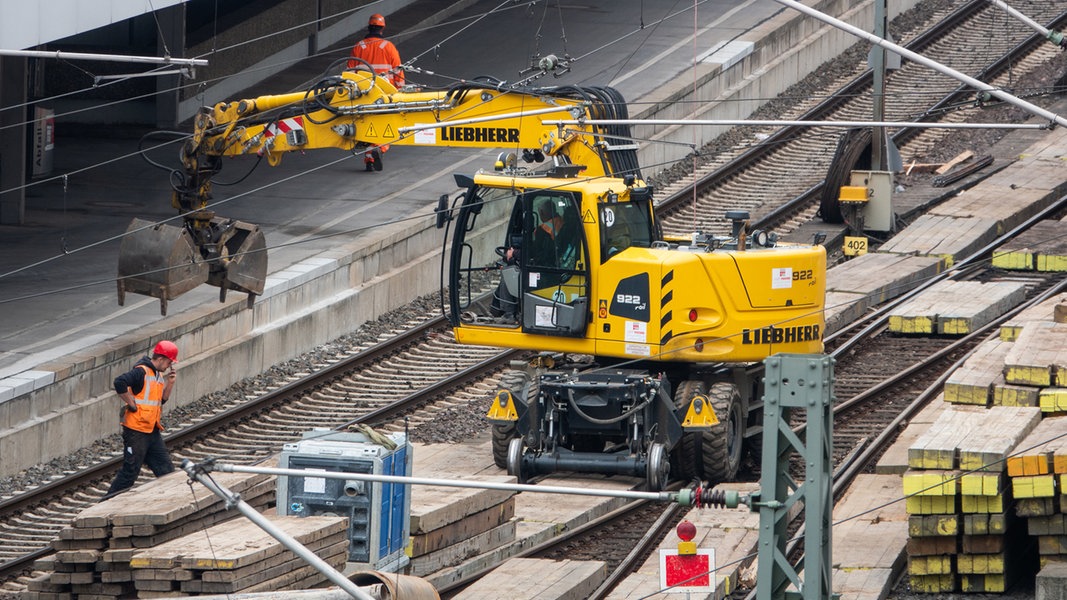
<point>1038,471</point>
<point>958,499</point>
<point>449,525</point>
<point>1041,248</point>
<point>1025,366</point>
<point>956,307</point>
<point>93,553</point>
<point>976,380</point>
<point>239,556</point>
<point>1038,360</point>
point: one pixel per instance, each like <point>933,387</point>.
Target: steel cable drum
<point>393,586</point>
<point>158,260</point>
<point>853,147</point>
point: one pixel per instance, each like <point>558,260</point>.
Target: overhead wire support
<point>199,472</point>
<point>922,60</point>
<point>1053,36</point>
<point>153,60</point>
<point>771,123</point>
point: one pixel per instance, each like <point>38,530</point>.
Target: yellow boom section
<point>356,109</point>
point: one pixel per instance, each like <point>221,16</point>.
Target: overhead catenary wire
<point>1,275</point>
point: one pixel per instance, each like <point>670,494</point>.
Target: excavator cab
<point>537,272</point>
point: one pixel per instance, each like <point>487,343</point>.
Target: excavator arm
<point>354,111</point>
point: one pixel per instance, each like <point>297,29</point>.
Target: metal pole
<point>922,60</point>
<point>878,159</point>
<point>155,60</point>
<point>1053,36</point>
<point>755,123</point>
<point>796,382</point>
<point>234,500</point>
<point>461,483</point>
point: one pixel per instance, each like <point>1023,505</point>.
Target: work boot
<point>373,159</point>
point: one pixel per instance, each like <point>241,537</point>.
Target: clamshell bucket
<point>159,260</point>
<point>243,259</point>
<point>165,261</point>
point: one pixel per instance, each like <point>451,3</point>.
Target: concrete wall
<point>57,408</point>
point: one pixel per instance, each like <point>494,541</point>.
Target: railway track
<point>395,385</point>
<point>779,175</point>
<point>881,381</point>
<point>382,384</point>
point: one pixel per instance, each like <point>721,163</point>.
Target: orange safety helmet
<point>166,348</point>
<point>376,20</point>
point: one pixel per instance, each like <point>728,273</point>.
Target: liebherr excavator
<point>644,348</point>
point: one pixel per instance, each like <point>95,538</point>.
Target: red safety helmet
<point>168,349</point>
<point>376,20</point>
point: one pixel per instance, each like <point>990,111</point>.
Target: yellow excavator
<point>645,348</point>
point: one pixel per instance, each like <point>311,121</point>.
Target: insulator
<point>710,498</point>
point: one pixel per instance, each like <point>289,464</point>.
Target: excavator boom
<point>356,111</point>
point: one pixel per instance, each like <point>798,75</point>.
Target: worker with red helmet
<point>378,52</point>
<point>382,56</point>
<point>144,389</point>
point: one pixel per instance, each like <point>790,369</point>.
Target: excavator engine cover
<point>159,260</point>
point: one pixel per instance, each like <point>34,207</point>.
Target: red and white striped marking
<point>284,126</point>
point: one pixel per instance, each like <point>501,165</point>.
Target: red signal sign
<point>688,572</point>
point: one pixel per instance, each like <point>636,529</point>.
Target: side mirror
<point>442,212</point>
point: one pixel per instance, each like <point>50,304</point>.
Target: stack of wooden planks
<point>1038,471</point>
<point>93,553</point>
<point>450,525</point>
<point>1038,360</point>
<point>1022,367</point>
<point>958,499</point>
<point>956,307</point>
<point>239,556</point>
<point>1040,248</point>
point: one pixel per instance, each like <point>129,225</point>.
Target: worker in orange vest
<point>378,52</point>
<point>383,57</point>
<point>144,390</point>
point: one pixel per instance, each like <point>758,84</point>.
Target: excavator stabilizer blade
<point>159,260</point>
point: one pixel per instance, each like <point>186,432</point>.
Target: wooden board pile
<point>1038,472</point>
<point>452,525</point>
<point>93,553</point>
<point>956,307</point>
<point>239,556</point>
<point>1023,367</point>
<point>960,526</point>
<point>1041,248</point>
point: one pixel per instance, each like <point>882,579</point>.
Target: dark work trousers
<point>140,448</point>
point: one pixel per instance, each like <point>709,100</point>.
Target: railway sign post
<point>687,569</point>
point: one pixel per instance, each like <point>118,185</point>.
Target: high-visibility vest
<point>149,403</point>
<point>381,55</point>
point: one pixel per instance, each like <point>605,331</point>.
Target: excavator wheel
<point>518,383</point>
<point>688,453</point>
<point>723,442</point>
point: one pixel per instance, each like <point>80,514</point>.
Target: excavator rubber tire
<point>514,381</point>
<point>688,454</point>
<point>723,444</point>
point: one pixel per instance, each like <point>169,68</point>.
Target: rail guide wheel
<point>515,452</point>
<point>658,468</point>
